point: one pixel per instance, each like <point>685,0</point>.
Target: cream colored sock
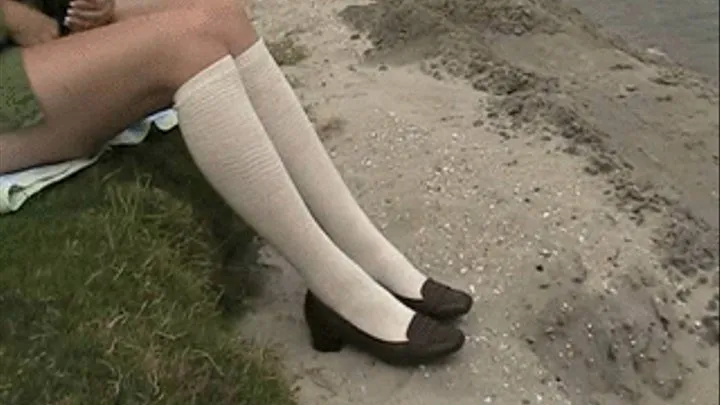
<point>317,179</point>
<point>229,144</point>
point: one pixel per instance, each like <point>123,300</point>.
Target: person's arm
<point>15,14</point>
<point>12,11</point>
<point>26,25</point>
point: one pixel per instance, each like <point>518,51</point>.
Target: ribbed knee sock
<point>230,146</point>
<point>317,179</point>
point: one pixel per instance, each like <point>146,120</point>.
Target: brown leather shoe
<point>440,301</point>
<point>427,341</point>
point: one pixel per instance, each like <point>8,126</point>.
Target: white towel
<point>17,187</point>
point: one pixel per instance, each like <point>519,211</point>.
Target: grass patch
<point>107,292</point>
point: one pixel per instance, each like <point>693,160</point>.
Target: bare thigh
<point>126,9</point>
<point>92,85</point>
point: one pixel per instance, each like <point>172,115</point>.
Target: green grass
<point>111,290</point>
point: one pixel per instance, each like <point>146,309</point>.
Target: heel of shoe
<point>324,338</point>
<point>325,341</point>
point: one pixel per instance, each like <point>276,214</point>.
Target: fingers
<point>89,15</point>
<point>91,4</point>
<point>87,5</point>
<point>76,25</point>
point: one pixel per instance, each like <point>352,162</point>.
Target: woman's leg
<point>311,169</point>
<point>104,79</point>
<point>125,9</point>
<point>318,180</point>
<point>314,174</point>
<point>229,144</point>
<point>92,85</point>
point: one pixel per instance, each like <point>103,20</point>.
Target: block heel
<point>322,337</point>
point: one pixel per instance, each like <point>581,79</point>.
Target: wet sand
<point>565,179</point>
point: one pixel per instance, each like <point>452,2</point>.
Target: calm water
<point>686,30</point>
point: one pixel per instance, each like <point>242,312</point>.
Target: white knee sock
<point>229,144</point>
<point>317,179</point>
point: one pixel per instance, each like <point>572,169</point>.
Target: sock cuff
<point>256,52</point>
<point>217,71</point>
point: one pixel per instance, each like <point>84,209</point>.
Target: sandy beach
<point>566,180</point>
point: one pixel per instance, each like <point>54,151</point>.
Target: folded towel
<point>17,187</point>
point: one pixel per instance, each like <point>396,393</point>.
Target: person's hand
<point>83,15</point>
<point>31,27</point>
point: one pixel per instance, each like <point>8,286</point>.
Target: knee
<point>207,32</point>
<point>225,21</point>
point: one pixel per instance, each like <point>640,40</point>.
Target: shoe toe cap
<point>431,335</point>
<point>445,300</point>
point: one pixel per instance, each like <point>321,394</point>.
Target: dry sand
<point>567,181</point>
